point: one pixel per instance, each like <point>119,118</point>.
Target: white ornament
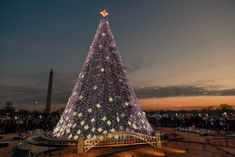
<point>79,114</point>
<point>107,57</point>
<point>126,103</point>
<point>67,131</point>
<point>61,121</point>
<point>121,127</point>
<point>89,110</point>
<point>95,87</point>
<point>86,127</point>
<point>56,129</point>
<point>116,137</point>
<point>120,80</point>
<point>118,119</point>
<point>81,96</point>
<point>113,45</point>
<point>144,113</point>
<point>93,129</point>
<point>103,34</point>
<point>82,122</point>
<point>134,126</point>
<point>69,125</point>
<point>100,46</point>
<point>92,120</point>
<point>109,122</point>
<point>101,137</point>
<point>104,118</point>
<point>102,69</point>
<point>62,133</point>
<point>100,129</point>
<point>123,115</point>
<point>67,118</point>
<point>110,99</point>
<point>88,136</point>
<point>110,135</point>
<point>98,105</point>
<point>75,137</point>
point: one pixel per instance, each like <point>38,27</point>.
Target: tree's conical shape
<point>102,100</point>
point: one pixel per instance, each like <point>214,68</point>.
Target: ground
<point>194,144</point>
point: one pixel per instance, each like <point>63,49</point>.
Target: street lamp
<point>35,103</point>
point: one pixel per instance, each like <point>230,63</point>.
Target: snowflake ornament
<point>110,99</point>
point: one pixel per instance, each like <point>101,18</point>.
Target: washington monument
<point>49,93</point>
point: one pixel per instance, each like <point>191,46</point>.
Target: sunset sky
<point>177,53</point>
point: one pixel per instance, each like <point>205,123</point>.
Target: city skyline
<point>176,53</point>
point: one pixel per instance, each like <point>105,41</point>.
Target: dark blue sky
<point>164,43</point>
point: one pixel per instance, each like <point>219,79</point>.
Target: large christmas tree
<point>102,100</point>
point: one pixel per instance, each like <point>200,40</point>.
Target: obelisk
<point>49,93</point>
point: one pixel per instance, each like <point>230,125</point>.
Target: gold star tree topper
<point>104,13</point>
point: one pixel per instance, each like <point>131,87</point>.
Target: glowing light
<point>104,13</point>
<point>110,99</point>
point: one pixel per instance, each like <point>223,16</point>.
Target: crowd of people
<point>27,121</point>
<point>220,119</point>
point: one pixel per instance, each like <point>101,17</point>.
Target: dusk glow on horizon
<point>177,103</point>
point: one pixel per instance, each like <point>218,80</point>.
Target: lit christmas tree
<point>102,100</point>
